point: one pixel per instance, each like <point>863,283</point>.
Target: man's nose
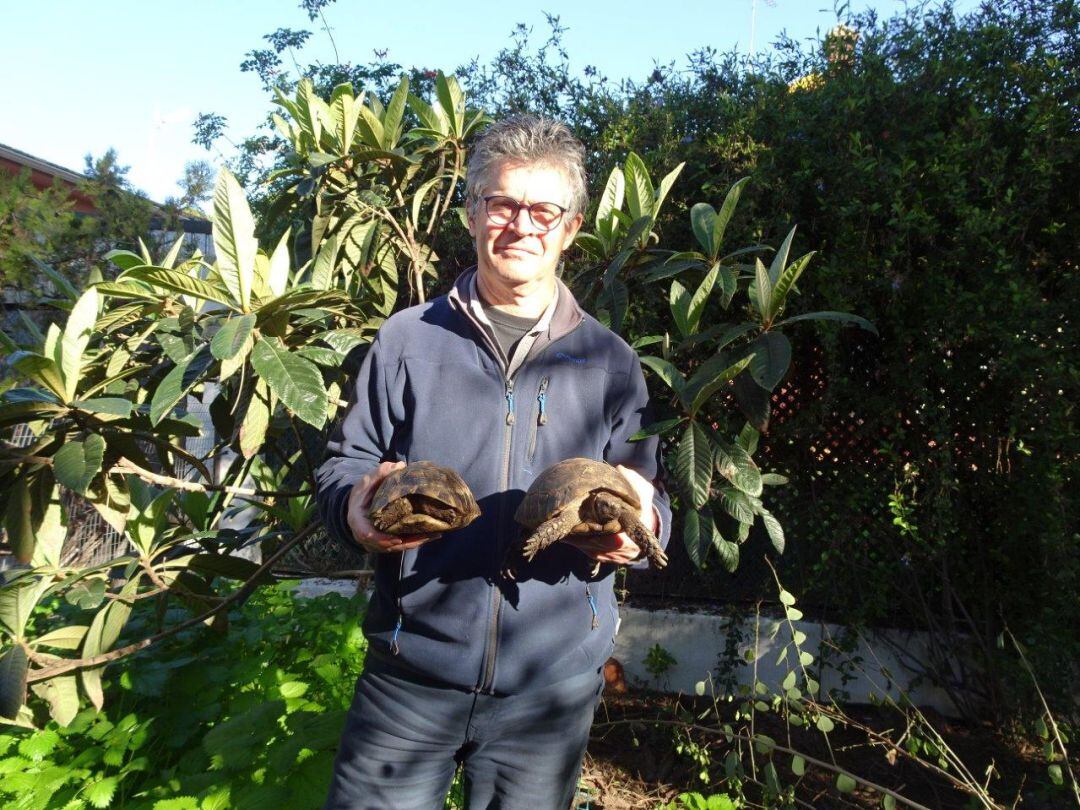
<point>522,223</point>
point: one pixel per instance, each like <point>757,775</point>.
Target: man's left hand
<point>619,548</point>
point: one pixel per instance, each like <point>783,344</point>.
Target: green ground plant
<point>206,719</point>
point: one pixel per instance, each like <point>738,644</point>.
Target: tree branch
<point>125,465</point>
<point>238,597</point>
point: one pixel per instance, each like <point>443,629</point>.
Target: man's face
<point>519,252</point>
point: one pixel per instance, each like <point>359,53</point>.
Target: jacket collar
<point>565,318</point>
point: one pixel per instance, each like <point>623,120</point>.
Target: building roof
<point>43,173</point>
<point>22,158</point>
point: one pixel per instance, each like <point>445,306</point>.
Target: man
<point>499,379</point>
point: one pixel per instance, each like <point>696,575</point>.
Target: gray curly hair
<point>528,139</point>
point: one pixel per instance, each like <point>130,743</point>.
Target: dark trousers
<point>403,741</point>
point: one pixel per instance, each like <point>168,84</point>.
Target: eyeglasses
<point>503,210</point>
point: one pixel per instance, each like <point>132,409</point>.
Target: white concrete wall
<point>696,641</point>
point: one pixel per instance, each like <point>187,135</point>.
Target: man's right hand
<point>357,517</point>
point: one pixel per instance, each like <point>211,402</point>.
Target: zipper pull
<point>509,402</point>
<point>541,397</point>
<point>394,648</point>
<point>592,606</point>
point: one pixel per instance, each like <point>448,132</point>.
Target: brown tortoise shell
<point>429,479</point>
<point>566,484</point>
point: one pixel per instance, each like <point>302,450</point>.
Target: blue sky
<point>80,77</point>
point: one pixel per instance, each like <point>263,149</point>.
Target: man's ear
<point>470,218</point>
<point>572,227</point>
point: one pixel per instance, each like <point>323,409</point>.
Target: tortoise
<point>422,498</point>
<point>580,496</point>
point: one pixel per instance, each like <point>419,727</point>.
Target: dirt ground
<point>632,763</point>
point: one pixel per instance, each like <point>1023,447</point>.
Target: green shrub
<point>203,720</point>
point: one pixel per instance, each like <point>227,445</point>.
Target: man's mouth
<point>516,250</point>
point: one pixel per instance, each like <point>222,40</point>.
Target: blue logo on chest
<point>569,358</point>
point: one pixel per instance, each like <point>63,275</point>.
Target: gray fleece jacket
<point>435,386</point>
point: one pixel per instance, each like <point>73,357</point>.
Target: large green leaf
<point>322,271</point>
<point>40,369</point>
<point>702,217</point>
<point>18,599</point>
<point>344,110</point>
<point>65,638</point>
<point>700,298</point>
<point>729,284</point>
<point>666,371</point>
<point>277,278</point>
<point>640,195</point>
<point>148,516</point>
<point>19,520</point>
<point>62,695</point>
<point>737,504</point>
<point>665,186</point>
<point>736,465</point>
<point>611,200</point>
<point>771,359</point>
<point>785,283</point>
<point>109,495</point>
<point>232,336</point>
<point>256,420</point>
<point>178,382</point>
<point>105,406</point>
<point>174,252</point>
<point>711,376</point>
<point>225,565</point>
<point>727,551</point>
<point>13,667</point>
<point>723,216</point>
<point>234,239</point>
<point>76,337</point>
<point>432,118</point>
<point>124,259</point>
<point>698,531</point>
<point>694,464</point>
<point>780,258</point>
<point>105,627</point>
<point>830,316</point>
<point>748,438</point>
<point>657,427</point>
<point>395,110</point>
<point>76,463</point>
<point>762,288</point>
<point>50,533</point>
<point>452,102</point>
<point>775,530</point>
<point>679,301</point>
<point>615,298</point>
<point>295,381</point>
<point>179,281</point>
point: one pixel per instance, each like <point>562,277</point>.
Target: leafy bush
<point>203,720</point>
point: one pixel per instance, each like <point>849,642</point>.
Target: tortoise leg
<point>608,505</point>
<point>392,513</point>
<point>549,532</point>
<point>646,540</point>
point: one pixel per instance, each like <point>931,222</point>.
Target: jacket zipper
<point>496,598</point>
<point>541,417</point>
<point>496,594</point>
